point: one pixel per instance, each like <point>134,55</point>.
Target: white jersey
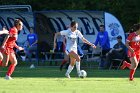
<point>71,39</point>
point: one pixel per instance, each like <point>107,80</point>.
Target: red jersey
<point>11,42</point>
<point>134,43</point>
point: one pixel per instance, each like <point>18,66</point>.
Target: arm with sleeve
<point>97,40</point>
<point>105,38</point>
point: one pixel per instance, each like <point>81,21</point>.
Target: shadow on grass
<point>54,72</point>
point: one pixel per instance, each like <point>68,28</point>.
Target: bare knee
<point>1,57</point>
<point>78,59</point>
<point>72,64</point>
<point>4,65</point>
<point>14,63</point>
<point>135,65</point>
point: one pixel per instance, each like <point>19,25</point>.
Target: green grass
<point>51,80</point>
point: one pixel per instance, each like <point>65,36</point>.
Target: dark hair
<point>17,22</point>
<point>102,26</point>
<point>119,37</point>
<point>134,28</point>
<point>73,23</point>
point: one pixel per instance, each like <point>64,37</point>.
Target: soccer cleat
<point>8,77</point>
<point>67,75</point>
<point>131,79</point>
<point>32,66</point>
<point>123,65</point>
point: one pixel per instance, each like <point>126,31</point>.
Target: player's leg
<point>70,67</point>
<point>5,59</point>
<point>65,60</point>
<point>1,58</point>
<point>13,60</point>
<point>134,64</point>
<point>77,57</point>
<point>125,64</point>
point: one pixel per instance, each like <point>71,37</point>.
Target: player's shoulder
<point>78,31</point>
<point>13,30</point>
<point>67,30</point>
<point>64,32</point>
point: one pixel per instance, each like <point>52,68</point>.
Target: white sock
<point>78,67</point>
<point>70,68</point>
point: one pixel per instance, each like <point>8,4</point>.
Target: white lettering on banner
<point>114,28</point>
<point>88,21</point>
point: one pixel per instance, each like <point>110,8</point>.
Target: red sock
<point>11,69</point>
<point>132,72</point>
<point>0,63</point>
<point>63,62</point>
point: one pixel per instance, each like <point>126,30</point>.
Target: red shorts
<point>136,54</point>
<point>7,50</point>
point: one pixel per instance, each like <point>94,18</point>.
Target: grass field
<point>51,80</point>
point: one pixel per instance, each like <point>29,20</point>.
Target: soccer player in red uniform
<point>8,52</point>
<point>4,31</point>
<point>133,45</point>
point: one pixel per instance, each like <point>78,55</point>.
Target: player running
<point>8,52</point>
<point>4,31</point>
<point>71,35</point>
<point>133,45</point>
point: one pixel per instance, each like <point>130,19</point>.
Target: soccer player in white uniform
<point>71,35</point>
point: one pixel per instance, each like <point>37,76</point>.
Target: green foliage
<point>127,11</point>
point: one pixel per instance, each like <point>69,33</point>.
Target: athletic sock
<point>70,68</point>
<point>78,67</point>
<point>132,72</point>
<point>11,69</point>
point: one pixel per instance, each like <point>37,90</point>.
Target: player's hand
<point>5,31</point>
<point>20,48</point>
<point>93,46</point>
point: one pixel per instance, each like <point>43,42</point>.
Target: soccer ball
<point>83,74</point>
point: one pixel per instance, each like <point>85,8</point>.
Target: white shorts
<point>67,51</point>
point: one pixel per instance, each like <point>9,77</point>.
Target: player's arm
<point>128,40</point>
<point>4,32</point>
<point>87,42</point>
<point>36,40</point>
<point>64,41</point>
<point>55,37</point>
<point>5,40</point>
<point>18,47</point>
<point>128,46</point>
